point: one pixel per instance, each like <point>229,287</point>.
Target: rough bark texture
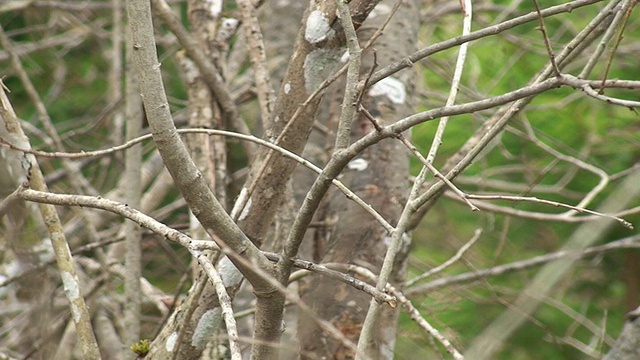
<point>202,308</point>
<point>627,346</point>
<point>202,202</point>
<point>319,45</point>
<point>355,236</point>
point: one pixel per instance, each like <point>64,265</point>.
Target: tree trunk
<point>380,177</point>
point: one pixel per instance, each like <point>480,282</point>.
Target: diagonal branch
<point>188,179</point>
<point>9,123</point>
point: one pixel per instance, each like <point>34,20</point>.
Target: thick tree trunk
<point>382,181</point>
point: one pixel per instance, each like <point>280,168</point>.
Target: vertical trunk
<point>382,181</point>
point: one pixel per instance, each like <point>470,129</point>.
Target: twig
<point>579,318</point>
<point>415,314</point>
<point>328,270</point>
<point>224,300</point>
<point>258,58</point>
<point>424,324</point>
<point>547,42</point>
<point>351,93</point>
<point>625,243</point>
<point>64,259</point>
<point>490,30</point>
<point>422,159</point>
<point>587,89</point>
<point>308,266</point>
<point>467,14</point>
<point>604,177</point>
<point>628,8</point>
<point>552,203</point>
<point>343,188</point>
<point>564,217</point>
<point>463,249</point>
<point>606,39</point>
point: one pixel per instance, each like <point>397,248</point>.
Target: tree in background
<point>287,179</point>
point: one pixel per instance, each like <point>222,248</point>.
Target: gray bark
<point>627,347</point>
<point>351,235</point>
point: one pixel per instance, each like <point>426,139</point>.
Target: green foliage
<point>567,121</point>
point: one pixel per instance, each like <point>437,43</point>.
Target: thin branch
<point>628,8</point>
<point>207,68</point>
<point>490,30</point>
<point>351,94</point>
<point>467,13</point>
<point>258,58</point>
<point>455,258</point>
<point>225,302</point>
<point>604,177</point>
<point>579,318</point>
<point>470,107</point>
<point>343,188</point>
<point>587,89</point>
<point>632,242</point>
<point>96,202</point>
<point>606,39</point>
<point>564,217</point>
<point>71,283</point>
<point>437,174</point>
<point>413,312</point>
<point>322,269</point>
<point>201,201</point>
<point>425,162</point>
<point>328,270</point>
<point>547,42</point>
<point>549,202</point>
<point>424,324</point>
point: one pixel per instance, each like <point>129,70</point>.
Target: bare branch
<point>490,30</point>
<point>438,269</point>
<point>413,312</point>
<point>351,95</point>
<point>631,242</point>
<point>72,287</point>
<point>547,42</point>
<point>467,13</point>
<point>187,177</point>
<point>424,324</point>
<point>225,302</point>
<point>549,202</point>
<point>258,58</point>
<point>205,65</point>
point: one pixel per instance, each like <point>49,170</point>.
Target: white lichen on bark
<point>317,28</point>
